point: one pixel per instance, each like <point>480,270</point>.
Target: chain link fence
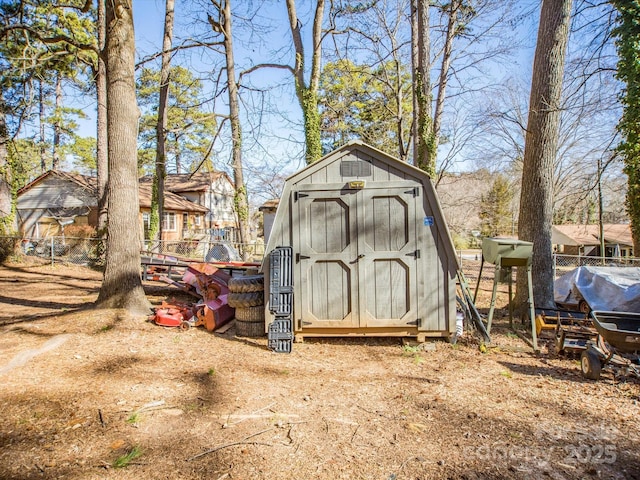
<point>206,250</point>
<point>90,251</point>
<point>79,251</point>
<point>470,263</point>
<point>565,263</point>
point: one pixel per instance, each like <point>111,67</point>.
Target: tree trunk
<point>414,78</point>
<point>308,95</point>
<point>536,200</point>
<point>241,202</point>
<point>444,70</point>
<point>102,166</point>
<point>157,200</point>
<point>55,152</point>
<point>425,158</point>
<point>122,285</point>
<point>6,226</point>
<point>43,151</point>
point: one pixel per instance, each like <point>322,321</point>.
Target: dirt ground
<point>81,389</point>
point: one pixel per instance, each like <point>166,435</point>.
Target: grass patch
<point>410,350</point>
<point>133,418</point>
<point>125,460</point>
<point>413,352</point>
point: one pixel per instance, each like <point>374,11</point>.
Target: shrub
<point>80,231</point>
<point>7,248</point>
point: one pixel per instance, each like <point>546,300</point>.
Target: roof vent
<point>355,168</point>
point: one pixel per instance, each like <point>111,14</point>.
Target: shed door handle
<point>357,258</point>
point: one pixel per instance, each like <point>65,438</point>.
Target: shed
<point>268,210</point>
<point>372,254</point>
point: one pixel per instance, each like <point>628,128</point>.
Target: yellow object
<point>542,325</point>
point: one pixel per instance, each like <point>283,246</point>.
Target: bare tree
<point>55,157</point>
<point>223,25</point>
<point>425,146</point>
<point>122,285</point>
<point>367,93</point>
<point>452,9</point>
<point>307,92</point>
<point>157,197</point>
<point>100,76</point>
<point>5,173</point>
<point>536,199</point>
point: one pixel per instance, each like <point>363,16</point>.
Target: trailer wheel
<point>590,364</point>
<point>184,325</point>
<point>584,307</point>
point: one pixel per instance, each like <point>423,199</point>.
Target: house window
<point>185,222</point>
<point>196,220</point>
<point>169,221</point>
<point>146,224</point>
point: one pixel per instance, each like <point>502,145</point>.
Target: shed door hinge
<point>301,257</point>
<point>415,191</point>
<point>298,195</point>
<point>415,254</point>
<point>417,322</point>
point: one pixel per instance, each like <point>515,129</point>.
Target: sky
<point>281,134</point>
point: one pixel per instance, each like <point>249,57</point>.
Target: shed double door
<point>357,257</point>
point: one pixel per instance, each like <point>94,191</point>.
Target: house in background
<point>180,217</point>
<point>56,199</point>
<point>268,210</point>
<point>585,240</point>
<point>212,190</point>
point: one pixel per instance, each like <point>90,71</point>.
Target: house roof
<point>270,204</point>
<point>187,182</point>
<point>171,201</point>
<point>88,183</point>
<point>614,233</point>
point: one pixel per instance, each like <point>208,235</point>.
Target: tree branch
<point>265,65</point>
<point>184,46</point>
<point>48,40</point>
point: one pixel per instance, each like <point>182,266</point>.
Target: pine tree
<point>496,212</point>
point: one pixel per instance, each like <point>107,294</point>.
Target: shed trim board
<point>373,257</point>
